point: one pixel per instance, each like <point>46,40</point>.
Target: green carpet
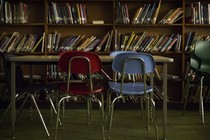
<point>127,125</point>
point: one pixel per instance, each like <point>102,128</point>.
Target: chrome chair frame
<point>200,68</point>
<point>143,94</point>
<point>88,96</point>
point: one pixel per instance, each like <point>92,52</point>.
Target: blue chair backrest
<point>119,52</point>
<point>200,58</point>
<point>133,63</point>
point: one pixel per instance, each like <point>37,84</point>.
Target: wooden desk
<point>49,59</point>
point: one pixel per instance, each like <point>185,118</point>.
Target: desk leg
<point>164,100</point>
<point>13,104</point>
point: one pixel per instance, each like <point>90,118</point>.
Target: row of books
<point>191,38</point>
<point>17,42</point>
<point>64,13</point>
<point>122,15</point>
<point>197,13</point>
<point>13,13</point>
<point>78,42</point>
<point>147,14</point>
<point>53,73</point>
<point>142,42</point>
<point>172,16</point>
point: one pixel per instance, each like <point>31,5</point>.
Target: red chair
<point>85,64</point>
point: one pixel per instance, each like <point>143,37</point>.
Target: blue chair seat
<point>130,88</point>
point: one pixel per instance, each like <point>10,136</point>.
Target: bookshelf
<point>41,17</point>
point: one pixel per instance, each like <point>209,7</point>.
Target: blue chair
<point>113,82</point>
<point>138,64</point>
<point>200,67</point>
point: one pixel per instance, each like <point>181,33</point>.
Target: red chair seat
<point>80,89</point>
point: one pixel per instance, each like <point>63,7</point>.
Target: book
<point>140,39</point>
<point>109,41</point>
<point>199,12</point>
<point>43,42</point>
<point>189,13</point>
<point>130,39</point>
<point>2,35</point>
<point>93,44</point>
<point>78,41</point>
<point>148,18</point>
<point>192,37</point>
<point>189,38</point>
<point>172,15</point>
<point>3,42</point>
<point>55,12</point>
<point>208,17</point>
<point>156,39</point>
<point>134,41</point>
<point>21,43</point>
<point>79,14</point>
<point>144,13</point>
<point>74,14</point>
<point>178,16</point>
<point>172,43</point>
<point>11,39</point>
<point>49,42</point>
<point>98,22</point>
<point>84,45</point>
<point>2,13</point>
<point>143,42</point>
<point>15,42</point>
<point>115,40</point>
<point>141,14</point>
<point>65,44</point>
<point>167,43</point>
<point>57,41</point>
<point>69,13</point>
<point>136,15</point>
<point>178,44</point>
<point>124,40</point>
<point>29,43</point>
<point>166,16</point>
<point>163,42</point>
<point>53,40</point>
<point>38,43</point>
<point>155,15</point>
<point>82,12</point>
<point>147,44</point>
<point>72,42</point>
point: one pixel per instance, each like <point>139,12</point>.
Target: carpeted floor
<point>127,125</point>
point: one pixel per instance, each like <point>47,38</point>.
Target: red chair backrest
<point>79,65</point>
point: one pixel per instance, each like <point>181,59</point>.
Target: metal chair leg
<point>155,119</point>
<point>102,116</point>
<point>201,101</point>
<point>61,101</point>
<point>7,110</point>
<point>142,108</point>
<point>23,104</point>
<point>40,115</point>
<point>111,115</point>
<point>53,108</point>
<point>185,99</point>
<point>88,111</point>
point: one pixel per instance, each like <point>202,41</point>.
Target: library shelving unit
<point>42,18</point>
